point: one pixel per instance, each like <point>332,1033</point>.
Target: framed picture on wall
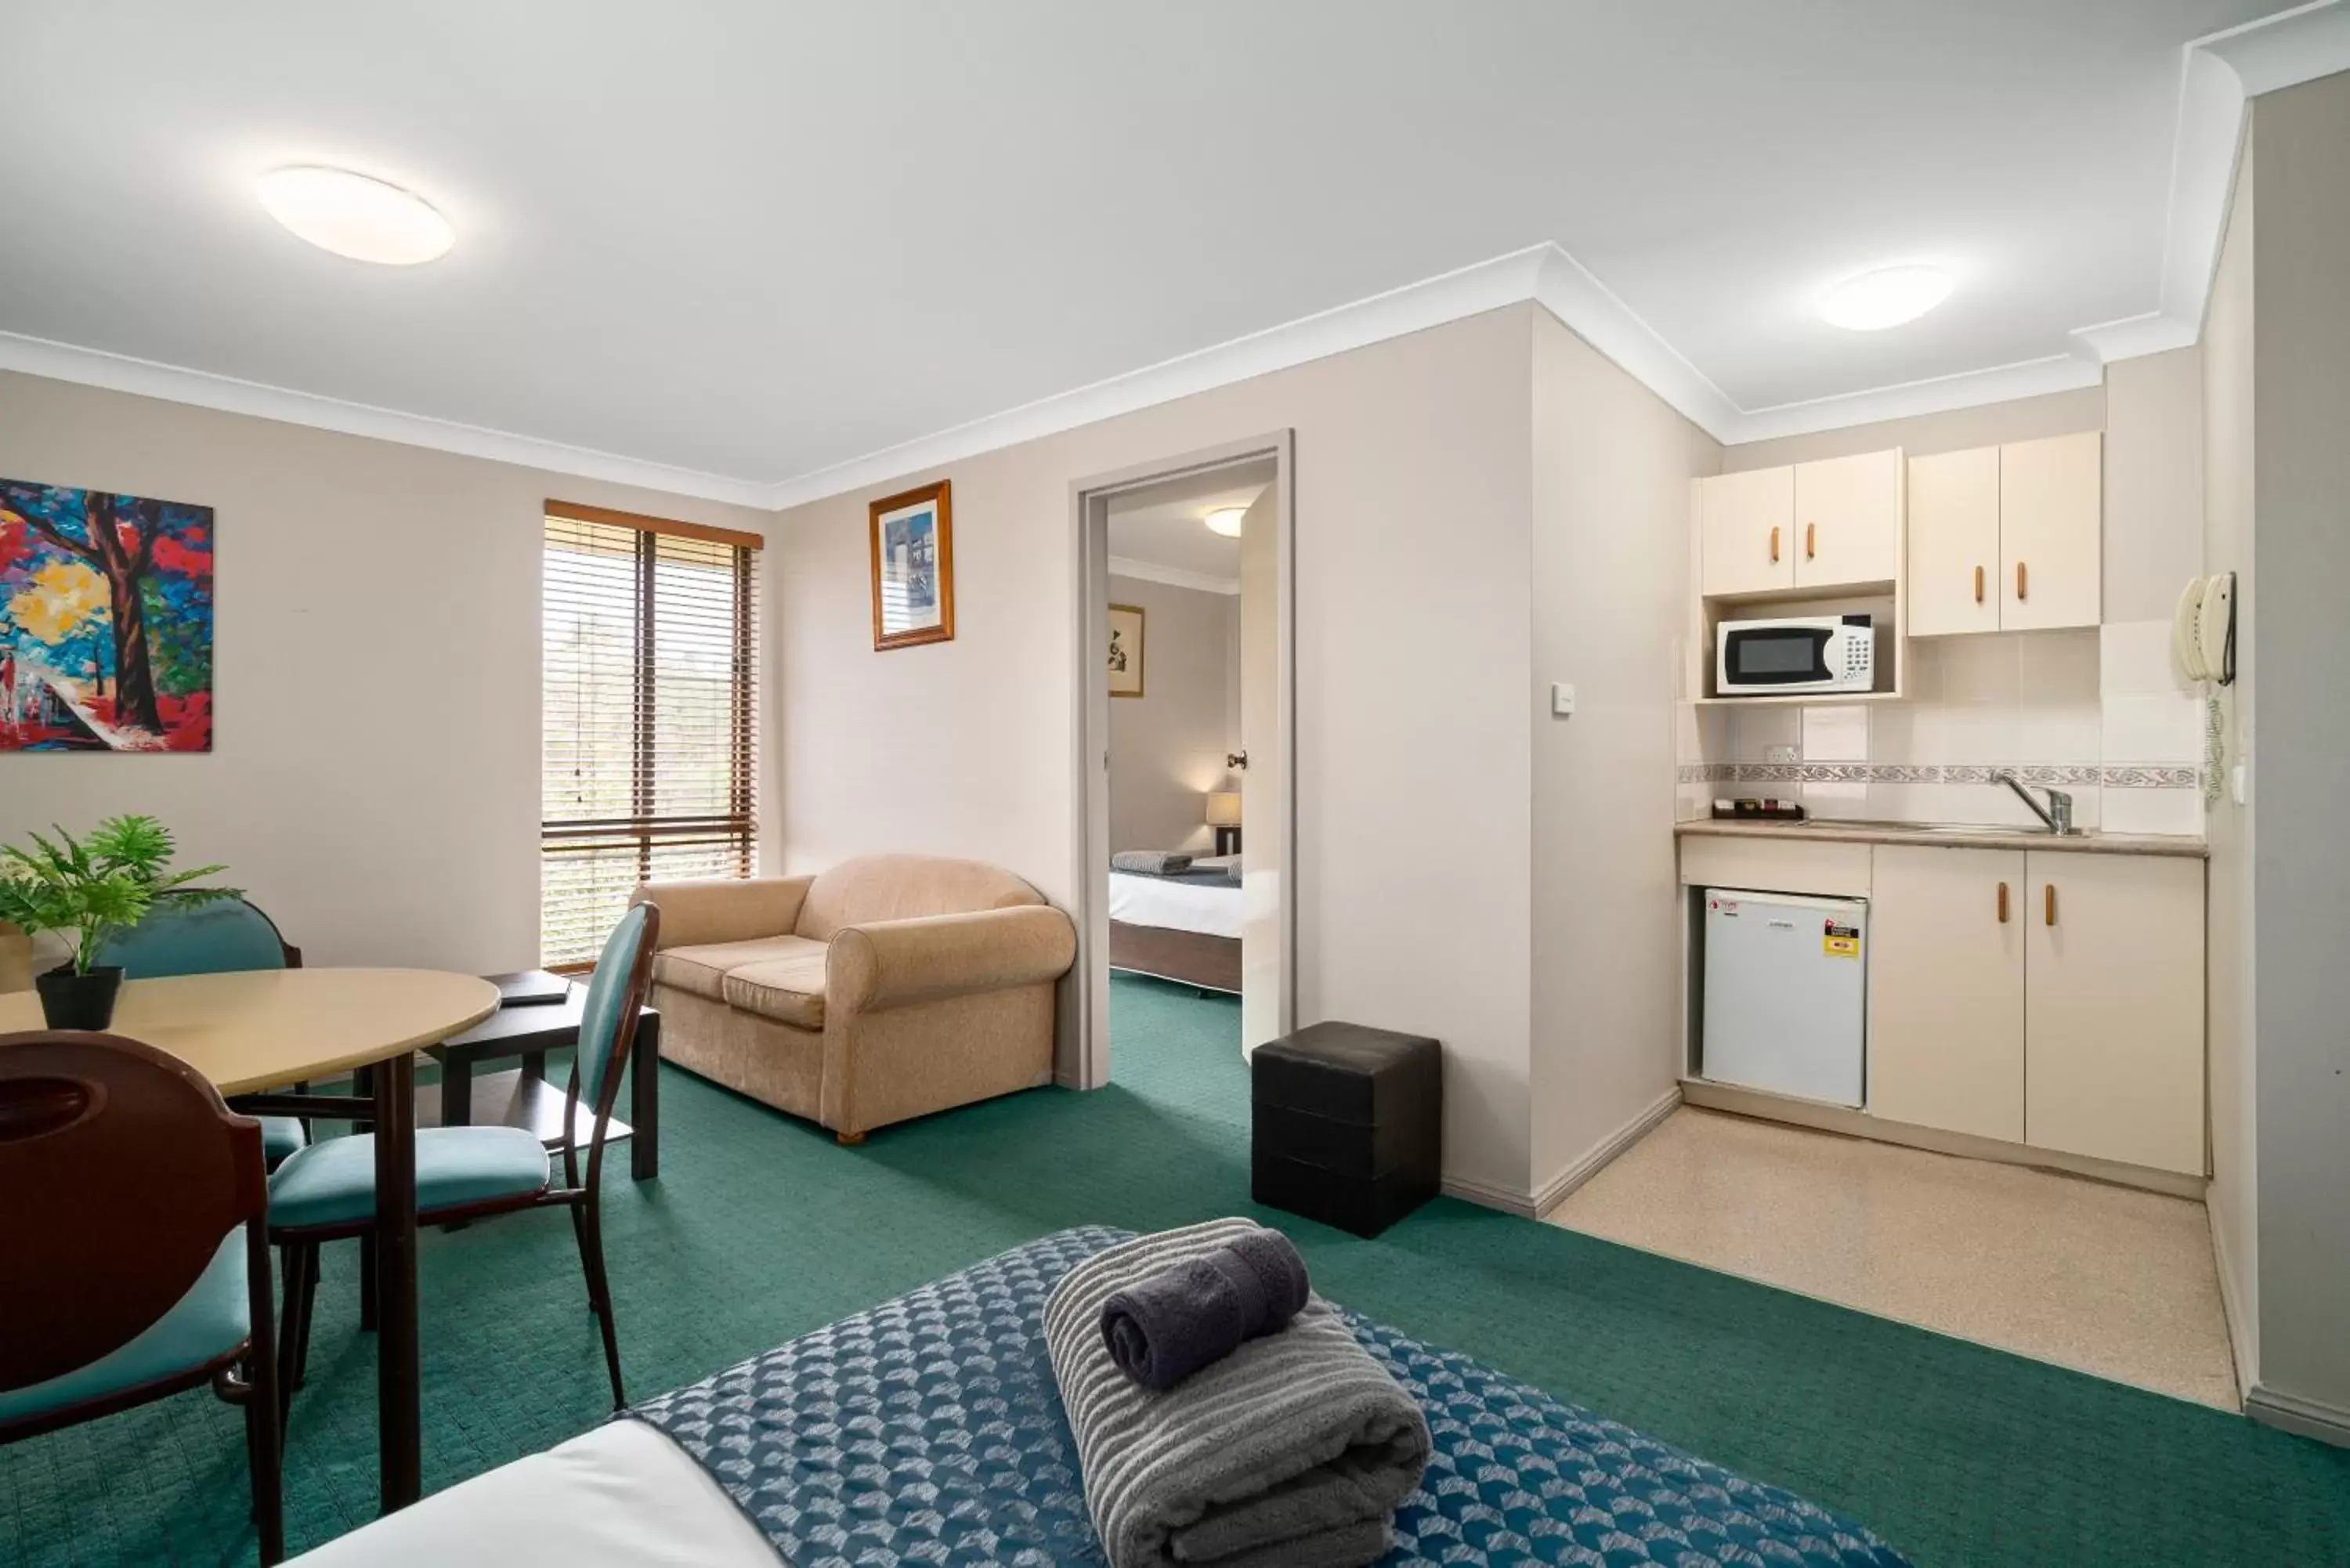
<point>913,566</point>
<point>106,622</point>
<point>1126,651</point>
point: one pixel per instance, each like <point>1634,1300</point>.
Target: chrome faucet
<point>2058,814</point>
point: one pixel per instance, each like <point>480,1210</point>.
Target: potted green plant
<point>88,888</point>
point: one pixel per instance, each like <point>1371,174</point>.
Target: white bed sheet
<point>1176,906</point>
<point>620,1495</point>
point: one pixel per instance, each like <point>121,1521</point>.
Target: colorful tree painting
<point>106,622</point>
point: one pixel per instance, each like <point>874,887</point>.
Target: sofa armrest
<point>889,964</point>
<point>725,908</point>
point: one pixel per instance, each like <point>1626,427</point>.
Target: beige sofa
<point>886,988</point>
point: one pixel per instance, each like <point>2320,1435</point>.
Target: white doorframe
<point>1084,1053</point>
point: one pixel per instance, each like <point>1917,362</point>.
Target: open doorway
<point>1186,856</point>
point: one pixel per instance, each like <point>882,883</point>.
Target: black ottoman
<point>1348,1124</point>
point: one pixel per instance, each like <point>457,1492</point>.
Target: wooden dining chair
<point>212,938</point>
<point>137,1261</point>
<point>327,1192</point>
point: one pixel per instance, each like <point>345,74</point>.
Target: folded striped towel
<point>1151,862</point>
<point>1294,1451</point>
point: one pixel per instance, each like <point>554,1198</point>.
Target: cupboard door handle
<point>1978,585</point>
<point>1774,543</point>
<point>1811,534</point>
<point>2022,583</point>
<point>2051,891</point>
<point>2002,903</point>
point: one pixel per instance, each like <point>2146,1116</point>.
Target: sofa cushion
<point>702,968</point>
<point>788,989</point>
<point>902,887</point>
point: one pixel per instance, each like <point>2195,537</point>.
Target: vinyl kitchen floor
<point>2104,1279</point>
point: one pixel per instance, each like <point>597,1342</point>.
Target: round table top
<point>263,1029</point>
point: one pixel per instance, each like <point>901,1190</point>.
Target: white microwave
<point>1800,653</point>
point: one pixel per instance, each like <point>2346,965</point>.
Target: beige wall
<point>374,781</point>
<point>1612,465</point>
<point>2228,826</point>
<point>1413,506</point>
<point>2301,378</point>
<point>1167,747</point>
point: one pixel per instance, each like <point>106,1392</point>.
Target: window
<point>649,692</point>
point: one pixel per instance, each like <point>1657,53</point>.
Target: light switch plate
<point>1561,699</point>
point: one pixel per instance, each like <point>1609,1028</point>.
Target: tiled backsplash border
<point>2077,775</point>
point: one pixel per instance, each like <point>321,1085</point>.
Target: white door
<point>2051,518</point>
<point>1745,524</point>
<point>1946,989</point>
<point>1264,784</point>
<point>1954,562</point>
<point>2112,1007</point>
<point>1848,520</point>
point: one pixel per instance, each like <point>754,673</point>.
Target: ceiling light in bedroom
<point>1886,297</point>
<point>355,216</point>
<point>1225,520</point>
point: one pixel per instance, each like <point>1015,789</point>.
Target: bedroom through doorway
<point>1188,854</point>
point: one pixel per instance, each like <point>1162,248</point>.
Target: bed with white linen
<point>1184,927</point>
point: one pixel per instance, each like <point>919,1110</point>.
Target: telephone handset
<point>2203,629</point>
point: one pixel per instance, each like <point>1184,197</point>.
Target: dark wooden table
<point>522,1097</point>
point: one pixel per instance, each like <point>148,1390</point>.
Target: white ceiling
<point>1164,527</point>
<point>757,241</point>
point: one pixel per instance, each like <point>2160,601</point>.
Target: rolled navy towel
<point>1193,1312</point>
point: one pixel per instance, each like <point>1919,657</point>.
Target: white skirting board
<point>2240,1347</point>
<point>1538,1203</point>
<point>2306,1417</point>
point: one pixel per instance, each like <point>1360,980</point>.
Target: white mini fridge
<point>1786,995</point>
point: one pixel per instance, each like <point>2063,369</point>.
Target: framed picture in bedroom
<point>106,622</point>
<point>913,566</point>
<point>1126,651</point>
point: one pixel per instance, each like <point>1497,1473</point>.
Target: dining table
<point>257,1034</point>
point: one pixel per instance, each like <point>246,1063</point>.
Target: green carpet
<point>761,1228</point>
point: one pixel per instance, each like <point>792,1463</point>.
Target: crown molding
<point>172,383</point>
<point>1172,576</point>
<point>1433,302</point>
<point>2219,76</point>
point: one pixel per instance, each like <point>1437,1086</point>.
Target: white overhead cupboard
<point>1820,525</point>
<point>2007,538</point>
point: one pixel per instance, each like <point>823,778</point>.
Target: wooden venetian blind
<point>649,704</point>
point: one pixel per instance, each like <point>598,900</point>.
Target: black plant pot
<point>70,1000</point>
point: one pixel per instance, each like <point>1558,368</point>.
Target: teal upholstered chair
<point>142,1268</point>
<point>209,938</point>
<point>327,1191</point>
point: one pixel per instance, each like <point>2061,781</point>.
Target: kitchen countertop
<point>1829,830</point>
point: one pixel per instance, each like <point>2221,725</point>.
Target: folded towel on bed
<point>1151,862</point>
<point>1294,1451</point>
<point>1164,1328</point>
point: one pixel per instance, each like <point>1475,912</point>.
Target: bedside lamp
<point>1224,816</point>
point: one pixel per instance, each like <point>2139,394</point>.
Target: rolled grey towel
<point>1163,1329</point>
<point>1294,1451</point>
<point>1151,862</point>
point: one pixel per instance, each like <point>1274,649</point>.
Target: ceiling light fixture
<point>1225,520</point>
<point>355,216</point>
<point>1886,297</point>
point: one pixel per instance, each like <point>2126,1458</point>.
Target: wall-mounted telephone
<point>2203,641</point>
<point>2203,630</point>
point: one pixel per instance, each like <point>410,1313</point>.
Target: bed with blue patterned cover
<point>928,1430</point>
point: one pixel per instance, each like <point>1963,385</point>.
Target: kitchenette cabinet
<point>1830,526</point>
<point>2007,538</point>
<point>2049,1000</point>
<point>2113,1009</point>
<point>1946,1008</point>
